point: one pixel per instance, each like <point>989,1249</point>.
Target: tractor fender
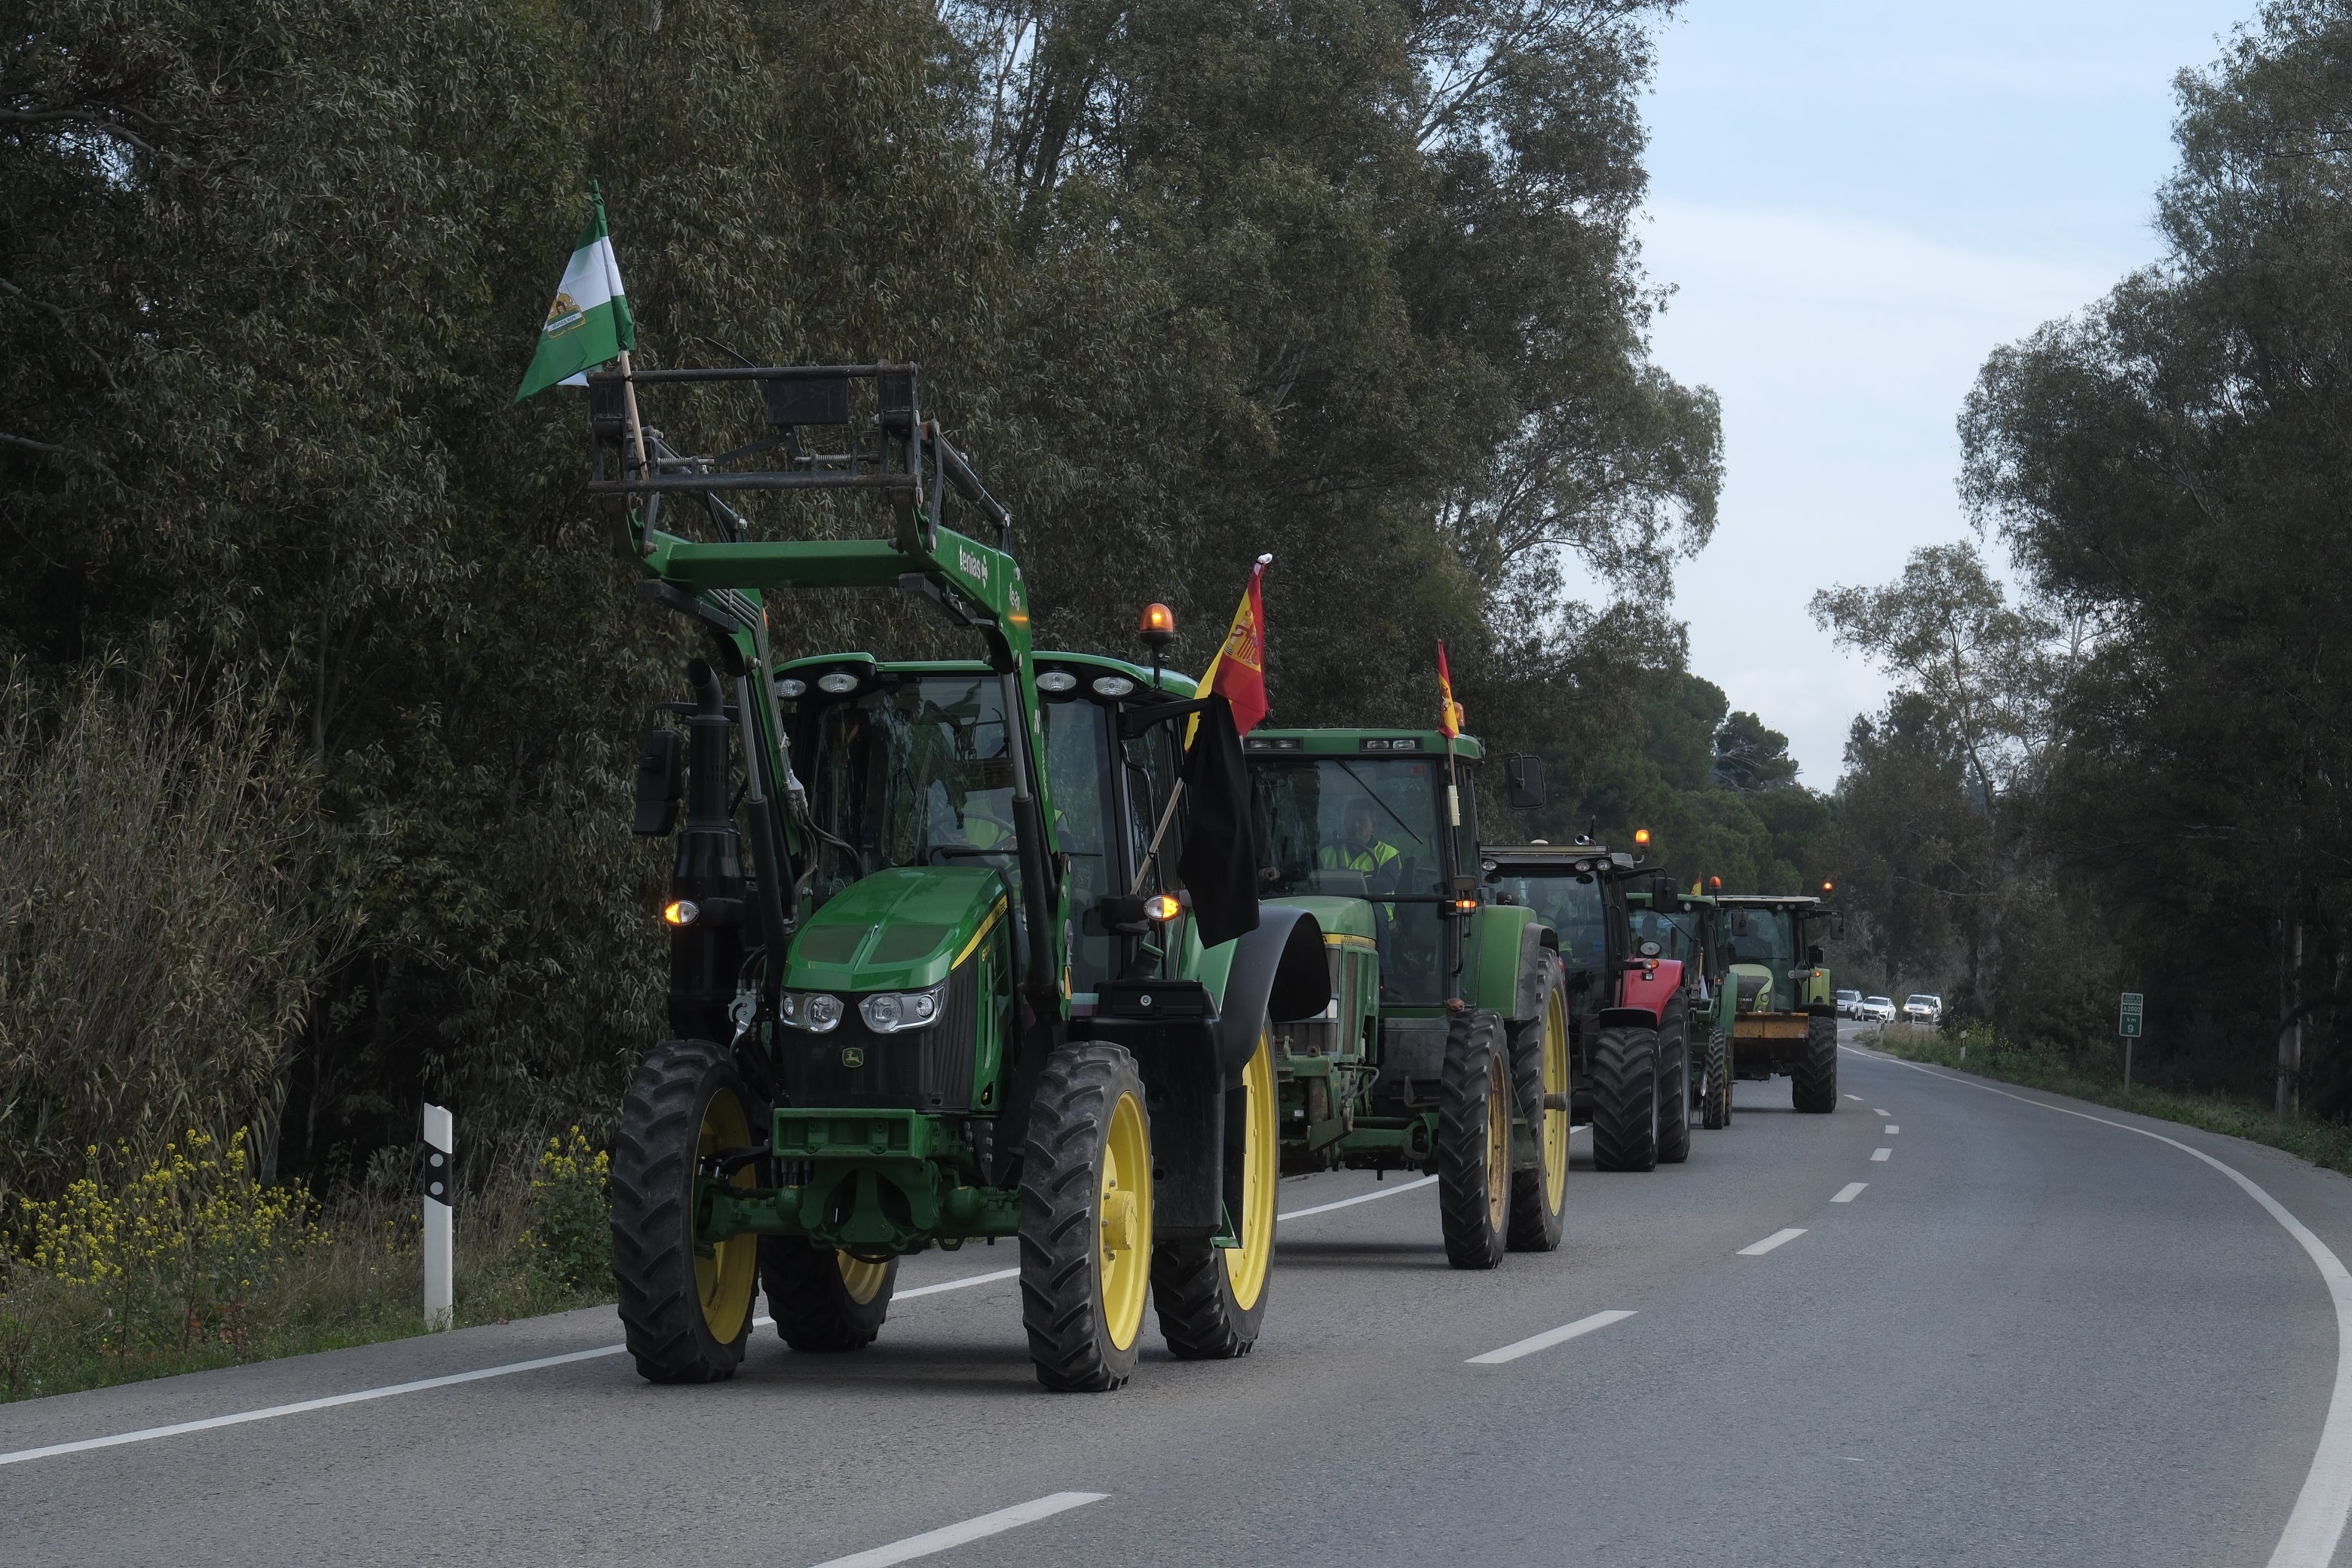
<point>1277,972</point>
<point>1502,959</point>
<point>1629,1018</point>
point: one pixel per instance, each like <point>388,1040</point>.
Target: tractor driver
<point>1363,849</point>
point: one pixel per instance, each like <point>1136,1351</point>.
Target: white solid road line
<point>2320,1508</point>
<point>1882,1154</point>
<point>986,1525</point>
<point>1848,1192</point>
<point>1361,1198</point>
<point>358,1396</point>
<point>361,1397</point>
<point>1778,1238</point>
<point>1548,1338</point>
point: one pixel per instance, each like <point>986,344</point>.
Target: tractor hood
<point>901,929</point>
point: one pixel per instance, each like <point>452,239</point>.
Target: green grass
<point>2324,1143</point>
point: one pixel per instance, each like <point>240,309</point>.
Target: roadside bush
<point>571,1212</point>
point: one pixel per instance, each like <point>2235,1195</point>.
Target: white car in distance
<point>1923,1009</point>
<point>1848,1004</point>
<point>1876,1009</point>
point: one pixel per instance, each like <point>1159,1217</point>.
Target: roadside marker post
<point>440,1251</point>
<point>2127,1026</point>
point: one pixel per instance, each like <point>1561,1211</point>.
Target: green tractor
<point>1775,1011</point>
<point>886,1034</point>
<point>1444,1048</point>
<point>1628,950</point>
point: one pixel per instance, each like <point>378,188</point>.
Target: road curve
<point>2015,1337</point>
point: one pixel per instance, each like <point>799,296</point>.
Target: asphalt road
<point>2030,1338</point>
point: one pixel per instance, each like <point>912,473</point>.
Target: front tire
<point>1211,1300</point>
<point>1812,1081</point>
<point>1674,1091</point>
<point>825,1301</point>
<point>1539,1066</point>
<point>686,1314</point>
<point>1625,1099</point>
<point>1474,1141</point>
<point>1715,1094</point>
<point>1086,1218</point>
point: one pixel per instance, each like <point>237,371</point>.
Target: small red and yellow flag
<point>1449,718</point>
<point>1238,673</point>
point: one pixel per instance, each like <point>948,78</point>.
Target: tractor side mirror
<point>657,784</point>
<point>1813,955</point>
<point>1837,922</point>
<point>1524,777</point>
<point>1665,897</point>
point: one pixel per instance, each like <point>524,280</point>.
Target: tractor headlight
<point>1112,685</point>
<point>814,1011</point>
<point>834,683</point>
<point>895,1012</point>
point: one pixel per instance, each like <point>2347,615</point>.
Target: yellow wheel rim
<point>1124,1218</point>
<point>1246,1266</point>
<point>1555,1082</point>
<point>725,1279</point>
<point>859,1278</point>
<point>1498,1141</point>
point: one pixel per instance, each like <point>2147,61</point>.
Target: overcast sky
<point>1856,201</point>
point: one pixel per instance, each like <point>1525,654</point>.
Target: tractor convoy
<point>1035,946</point>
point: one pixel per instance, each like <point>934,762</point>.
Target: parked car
<point>1924,1009</point>
<point>1848,1004</point>
<point>1877,1010</point>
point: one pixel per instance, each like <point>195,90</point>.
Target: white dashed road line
<point>1882,1114</point>
<point>1778,1238</point>
<point>1891,1129</point>
<point>1848,1192</point>
<point>1548,1338</point>
<point>1853,1096</point>
<point>1882,1154</point>
<point>980,1529</point>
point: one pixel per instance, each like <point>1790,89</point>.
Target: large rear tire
<point>825,1301</point>
<point>1211,1300</point>
<point>685,1311</point>
<point>1086,1218</point>
<point>1625,1099</point>
<point>1474,1141</point>
<point>1674,1089</point>
<point>1714,1093</point>
<point>1812,1081</point>
<point>1540,1067</point>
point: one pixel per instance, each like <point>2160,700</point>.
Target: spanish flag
<point>1450,716</point>
<point>1238,673</point>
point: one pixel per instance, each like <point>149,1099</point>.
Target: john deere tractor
<point>883,1034</point>
<point>1632,981</point>
<point>1444,1048</point>
<point>1775,1008</point>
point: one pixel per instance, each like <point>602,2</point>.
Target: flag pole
<point>636,425</point>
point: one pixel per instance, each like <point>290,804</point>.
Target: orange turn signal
<point>1161,906</point>
<point>681,912</point>
<point>1466,905</point>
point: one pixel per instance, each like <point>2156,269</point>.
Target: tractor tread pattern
<point>1198,1315</point>
<point>1472,1039</point>
<point>1674,1087</point>
<point>1061,1300</point>
<point>1812,1080</point>
<point>1715,1113</point>
<point>652,1178</point>
<point>1535,1226</point>
<point>1624,1098</point>
<point>814,1312</point>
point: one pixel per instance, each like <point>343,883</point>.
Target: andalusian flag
<point>1238,673</point>
<point>1450,716</point>
<point>588,324</point>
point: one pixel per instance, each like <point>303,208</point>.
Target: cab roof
<point>1173,682</point>
<point>1770,900</point>
<point>1359,743</point>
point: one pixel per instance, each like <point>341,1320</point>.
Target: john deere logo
<point>852,1056</point>
<point>563,316</point>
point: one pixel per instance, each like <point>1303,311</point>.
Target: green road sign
<point>2128,1021</point>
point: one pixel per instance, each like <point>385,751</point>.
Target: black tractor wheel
<point>1474,1141</point>
<point>1211,1300</point>
<point>1674,1091</point>
<point>1539,1071</point>
<point>824,1301</point>
<point>1086,1218</point>
<point>686,1308</point>
<point>1812,1081</point>
<point>1715,1092</point>
<point>1625,1099</point>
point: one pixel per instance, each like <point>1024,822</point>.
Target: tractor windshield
<point>1571,905</point>
<point>1766,936</point>
<point>911,771</point>
<point>1359,828</point>
<point>1676,934</point>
